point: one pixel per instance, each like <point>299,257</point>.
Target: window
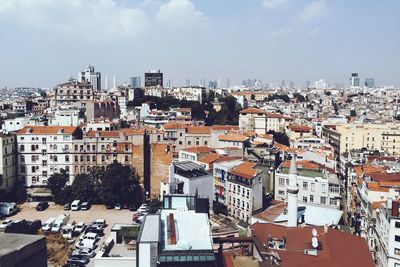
<point>305,199</point>
<point>311,198</point>
<point>332,202</point>
<point>312,187</point>
<point>189,143</point>
<point>305,185</point>
<point>205,143</point>
<point>397,238</point>
<point>67,158</point>
<point>281,181</point>
<point>281,192</point>
<point>323,188</point>
<point>197,143</point>
<point>323,200</point>
<point>22,169</point>
<point>180,142</point>
<point>397,224</point>
<point>44,163</point>
<point>22,148</point>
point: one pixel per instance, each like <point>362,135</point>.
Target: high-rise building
<point>370,82</point>
<point>212,84</point>
<point>153,78</point>
<point>135,82</point>
<point>89,75</point>
<point>321,84</point>
<point>308,84</point>
<point>283,83</point>
<point>228,83</point>
<point>354,80</point>
<point>291,84</point>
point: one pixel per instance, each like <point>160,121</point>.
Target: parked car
<point>60,221</point>
<point>34,226</point>
<point>7,209</point>
<point>67,206</point>
<point>80,227</point>
<point>85,205</point>
<point>109,206</point>
<point>42,205</point>
<point>46,226</point>
<point>95,229</point>
<point>99,223</point>
<point>78,259</point>
<point>117,206</point>
<point>76,205</point>
<point>85,251</point>
<point>3,224</point>
<point>88,241</point>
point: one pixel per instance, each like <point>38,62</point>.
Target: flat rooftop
<point>192,231</point>
<point>121,250</point>
<point>150,229</point>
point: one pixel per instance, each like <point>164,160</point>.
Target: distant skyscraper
<point>212,84</point>
<point>354,80</point>
<point>89,75</point>
<point>228,83</point>
<point>321,84</point>
<point>135,82</point>
<point>169,83</point>
<point>308,84</point>
<point>283,83</point>
<point>153,78</point>
<point>370,82</point>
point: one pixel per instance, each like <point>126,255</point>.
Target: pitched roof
<point>107,134</point>
<point>210,158</point>
<point>232,137</point>
<point>331,249</point>
<point>252,111</point>
<point>199,129</point>
<point>245,170</point>
<point>299,128</point>
<point>304,164</point>
<point>174,125</point>
<point>275,115</point>
<point>48,130</point>
<point>199,149</point>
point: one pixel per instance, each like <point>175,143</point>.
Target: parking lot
<point>28,211</point>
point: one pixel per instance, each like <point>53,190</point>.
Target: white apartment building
<point>253,119</point>
<point>65,117</point>
<point>44,150</point>
<point>220,172</point>
<point>245,191</point>
<point>11,125</point>
<point>7,164</point>
<point>387,234</point>
<point>316,185</point>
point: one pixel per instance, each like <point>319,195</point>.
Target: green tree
<point>280,137</point>
<point>83,188</point>
<point>120,184</point>
<point>56,184</point>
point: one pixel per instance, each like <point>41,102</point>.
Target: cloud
<point>97,20</point>
<point>314,31</point>
<point>279,32</point>
<point>314,10</point>
<point>179,13</point>
<point>271,4</point>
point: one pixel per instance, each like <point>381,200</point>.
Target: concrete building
<point>317,185</point>
<point>253,119</point>
<point>73,91</point>
<point>153,78</point>
<point>44,150</point>
<point>92,77</point>
<point>220,172</point>
<point>20,250</point>
<point>245,191</point>
<point>8,163</point>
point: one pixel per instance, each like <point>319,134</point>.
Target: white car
<point>85,252</point>
<point>4,224</point>
<point>80,227</point>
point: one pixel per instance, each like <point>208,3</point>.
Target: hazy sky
<point>43,42</point>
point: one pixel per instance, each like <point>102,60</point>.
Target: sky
<point>44,42</point>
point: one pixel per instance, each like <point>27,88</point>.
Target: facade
<point>73,91</point>
<point>253,119</point>
<point>245,191</point>
<point>153,79</point>
<point>317,186</point>
<point>8,162</point>
<point>220,172</point>
<point>44,150</point>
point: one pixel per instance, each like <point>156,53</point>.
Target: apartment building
<point>245,191</point>
<point>220,173</point>
<point>7,164</point>
<point>44,150</point>
<point>73,91</point>
<point>317,185</point>
<point>253,119</point>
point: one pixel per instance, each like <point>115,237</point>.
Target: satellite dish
<point>314,242</point>
<point>314,232</point>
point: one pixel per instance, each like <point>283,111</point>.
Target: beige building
<point>253,119</point>
<point>73,91</point>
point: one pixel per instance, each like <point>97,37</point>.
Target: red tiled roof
<point>275,115</point>
<point>245,170</point>
<point>198,129</point>
<point>174,125</point>
<point>299,128</point>
<point>252,111</point>
<point>304,164</point>
<point>210,158</point>
<point>107,134</point>
<point>232,137</point>
<point>335,249</point>
<point>199,149</point>
<point>47,130</point>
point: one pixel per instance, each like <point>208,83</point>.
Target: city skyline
<point>271,40</point>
